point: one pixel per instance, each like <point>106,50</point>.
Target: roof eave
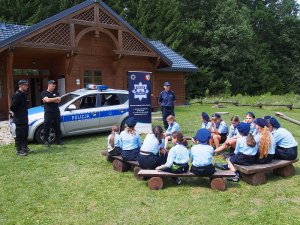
<point>186,70</point>
<point>133,30</point>
<point>45,22</point>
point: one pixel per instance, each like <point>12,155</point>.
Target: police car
<point>93,109</point>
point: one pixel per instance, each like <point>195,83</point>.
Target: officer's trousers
<point>166,111</point>
<point>21,136</point>
<point>52,120</point>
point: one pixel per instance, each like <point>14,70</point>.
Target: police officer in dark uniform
<point>52,114</point>
<point>19,106</point>
<point>167,100</point>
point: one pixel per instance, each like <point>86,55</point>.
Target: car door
<point>111,111</point>
<point>85,118</point>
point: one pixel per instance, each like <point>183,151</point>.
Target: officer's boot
<point>20,152</point>
<point>27,150</point>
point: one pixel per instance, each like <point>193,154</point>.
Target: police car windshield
<point>67,98</point>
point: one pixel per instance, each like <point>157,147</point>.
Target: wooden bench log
<point>121,165</point>
<point>217,181</point>
<point>256,174</point>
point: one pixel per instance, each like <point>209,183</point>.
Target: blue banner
<point>140,89</point>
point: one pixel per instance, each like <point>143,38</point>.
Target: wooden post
<point>120,40</point>
<point>72,35</point>
<point>9,76</point>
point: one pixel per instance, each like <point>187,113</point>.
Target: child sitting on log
<point>286,145</point>
<point>114,142</point>
<point>265,140</point>
<point>130,141</point>
<point>250,117</point>
<point>178,157</point>
<point>173,127</point>
<point>152,153</point>
<point>232,136</point>
<point>245,150</point>
<point>202,154</point>
<point>206,121</point>
<point>219,131</point>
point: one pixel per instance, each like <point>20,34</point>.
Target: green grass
<point>75,185</point>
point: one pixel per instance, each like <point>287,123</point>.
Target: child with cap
<point>250,117</point>
<point>265,140</point>
<point>232,136</point>
<point>130,141</point>
<point>173,127</point>
<point>178,157</point>
<point>202,154</point>
<point>206,121</point>
<point>286,145</point>
<point>220,130</point>
<point>152,151</point>
<point>245,150</point>
<point>114,142</point>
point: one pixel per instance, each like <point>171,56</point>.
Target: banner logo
<point>140,91</point>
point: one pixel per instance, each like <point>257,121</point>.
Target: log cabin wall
<point>3,90</point>
<point>177,85</point>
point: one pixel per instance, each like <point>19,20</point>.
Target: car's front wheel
<point>40,135</point>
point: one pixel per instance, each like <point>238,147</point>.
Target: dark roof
<point>11,33</point>
<point>45,22</point>
<point>178,62</point>
<point>8,30</point>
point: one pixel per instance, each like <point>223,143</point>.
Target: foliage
<point>240,46</point>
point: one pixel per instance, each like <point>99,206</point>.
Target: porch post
<point>9,76</point>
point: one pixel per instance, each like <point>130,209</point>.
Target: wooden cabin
<point>88,43</point>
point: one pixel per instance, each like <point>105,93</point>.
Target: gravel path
<point>5,136</point>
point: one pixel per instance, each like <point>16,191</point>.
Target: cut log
<point>120,166</point>
<point>256,168</point>
<point>255,178</point>
<point>136,171</point>
<point>286,171</point>
<point>282,116</point>
<point>155,183</point>
<point>218,184</point>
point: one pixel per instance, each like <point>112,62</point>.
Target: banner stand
<point>140,89</point>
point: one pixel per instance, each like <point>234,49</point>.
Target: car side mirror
<point>71,107</point>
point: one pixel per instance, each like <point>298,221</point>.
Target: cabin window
<point>92,77</point>
<point>30,72</point>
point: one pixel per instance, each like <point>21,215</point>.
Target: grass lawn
<point>75,185</point>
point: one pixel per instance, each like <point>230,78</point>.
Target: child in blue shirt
<point>219,131</point>
<point>232,136</point>
<point>206,121</point>
<point>178,157</point>
<point>202,154</point>
<point>250,117</point>
<point>173,127</point>
<point>152,153</point>
<point>114,142</point>
<point>286,145</point>
<point>245,150</point>
<point>130,141</point>
<point>265,140</point>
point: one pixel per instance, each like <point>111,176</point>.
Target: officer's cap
<point>22,82</point>
<point>131,122</point>
<point>51,82</point>
<point>167,83</point>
